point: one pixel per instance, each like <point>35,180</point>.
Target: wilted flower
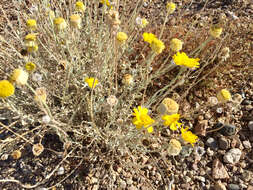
<point>31,24</point>
<point>188,136</point>
<point>107,3</point>
<point>37,149</point>
<point>183,59</point>
<point>37,77</point>
<point>212,101</point>
<point>91,82</point>
<point>112,100</point>
<point>75,21</point>
<point>40,95</point>
<point>80,6</point>
<point>16,154</point>
<point>142,119</point>
<point>112,18</point>
<point>46,119</point>
<point>157,46</point>
<point>30,40</point>
<point>215,31</point>
<point>168,106</point>
<point>224,95</point>
<point>19,76</point>
<point>6,89</point>
<point>148,37</point>
<point>121,37</point>
<point>171,7</point>
<point>30,66</point>
<point>172,121</point>
<point>128,79</point>
<point>174,147</point>
<point>176,44</point>
<point>224,53</point>
<point>60,23</point>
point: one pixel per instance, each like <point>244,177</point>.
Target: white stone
<point>60,171</point>
<point>232,156</point>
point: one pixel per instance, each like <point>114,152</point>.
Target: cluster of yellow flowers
<point>156,45</point>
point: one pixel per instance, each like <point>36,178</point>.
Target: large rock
<point>232,156</point>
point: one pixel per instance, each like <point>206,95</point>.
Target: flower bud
<point>80,6</point>
<point>168,106</point>
<point>31,24</point>
<point>224,96</point>
<point>171,7</point>
<point>75,21</point>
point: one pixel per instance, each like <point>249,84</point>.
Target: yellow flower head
<point>183,59</point>
<point>80,6</point>
<point>172,121</point>
<point>188,136</point>
<point>148,37</point>
<point>19,76</point>
<point>30,66</point>
<point>106,2</point>
<point>6,89</point>
<point>128,79</point>
<point>60,23</point>
<point>30,41</point>
<point>31,24</point>
<point>92,82</point>
<point>174,147</point>
<point>142,22</point>
<point>75,21</point>
<point>30,37</point>
<point>168,106</point>
<point>121,37</point>
<point>215,31</point>
<point>176,44</point>
<point>32,48</point>
<point>224,95</point>
<point>142,119</point>
<point>157,46</point>
<point>171,7</point>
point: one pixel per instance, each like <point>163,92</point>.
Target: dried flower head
<point>112,18</point>
<point>224,95</point>
<point>157,46</point>
<point>45,119</point>
<point>141,22</point>
<point>6,89</point>
<point>40,95</point>
<point>148,37</point>
<point>37,149</point>
<point>212,101</point>
<point>168,106</point>
<point>216,31</point>
<point>16,154</point>
<point>188,136</point>
<point>75,21</point>
<point>224,53</point>
<point>184,60</point>
<point>30,66</point>
<point>142,119</point>
<point>80,6</point>
<point>121,37</point>
<point>112,100</point>
<point>171,7</point>
<point>128,79</point>
<point>91,82</point>
<point>31,24</point>
<point>60,23</point>
<point>176,44</point>
<point>174,147</point>
<point>19,76</point>
<point>172,121</point>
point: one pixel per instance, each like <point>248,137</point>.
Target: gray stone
<point>250,125</point>
<point>212,143</point>
<point>228,130</point>
<point>232,156</point>
<point>233,186</point>
<point>223,143</point>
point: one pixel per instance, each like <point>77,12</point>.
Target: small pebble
<point>200,178</point>
<point>212,143</point>
<point>223,143</point>
<point>219,110</point>
<point>228,130</point>
<point>246,144</point>
<point>60,171</point>
<point>233,187</point>
<point>250,125</point>
<point>246,102</point>
<point>232,156</point>
<point>219,186</point>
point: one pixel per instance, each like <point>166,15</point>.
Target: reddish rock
<point>219,171</point>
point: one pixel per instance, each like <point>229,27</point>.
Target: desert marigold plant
<point>184,60</point>
<point>31,24</point>
<point>176,44</point>
<point>142,119</point>
<point>80,6</point>
<point>188,136</point>
<point>171,7</point>
<point>30,66</point>
<point>171,121</point>
<point>6,89</point>
<point>91,82</point>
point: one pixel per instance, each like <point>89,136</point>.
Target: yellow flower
<point>144,23</point>
<point>128,79</point>
<point>157,46</point>
<point>183,59</point>
<point>168,106</point>
<point>60,23</point>
<point>32,48</point>
<point>172,121</point>
<point>148,37</point>
<point>80,6</point>
<point>75,21</point>
<point>224,95</point>
<point>174,147</point>
<point>30,66</point>
<point>142,119</point>
<point>215,31</point>
<point>19,76</point>
<point>106,2</point>
<point>6,89</point>
<point>92,82</point>
<point>31,24</point>
<point>171,7</point>
<point>176,44</point>
<point>121,37</point>
<point>188,136</point>
<point>30,37</point>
